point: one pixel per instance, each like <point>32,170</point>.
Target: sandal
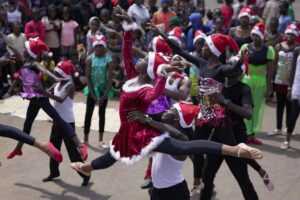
<point>77,166</point>
<point>254,153</point>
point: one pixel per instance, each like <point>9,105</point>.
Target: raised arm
<point>151,94</point>
<point>127,54</point>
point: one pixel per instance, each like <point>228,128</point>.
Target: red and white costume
<point>135,140</point>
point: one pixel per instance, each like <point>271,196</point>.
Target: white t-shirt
<point>64,109</point>
<point>14,16</point>
<point>139,13</point>
<point>166,171</point>
<point>17,42</point>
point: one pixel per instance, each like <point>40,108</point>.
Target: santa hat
<point>65,68</point>
<point>176,34</point>
<point>245,12</point>
<point>99,40</point>
<point>292,29</point>
<point>155,64</point>
<point>259,29</point>
<point>198,35</point>
<point>159,44</point>
<point>218,43</point>
<point>36,47</point>
<point>187,113</point>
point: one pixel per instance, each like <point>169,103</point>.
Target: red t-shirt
<point>227,13</point>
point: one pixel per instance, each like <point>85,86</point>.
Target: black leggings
<point>90,105</point>
<point>56,139</point>
<point>35,105</point>
<point>16,134</point>
<point>238,167</point>
<point>294,115</point>
<point>168,146</point>
<point>282,102</point>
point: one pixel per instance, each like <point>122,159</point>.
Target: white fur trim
<point>155,142</point>
<point>244,14</point>
<point>198,38</point>
<point>27,47</point>
<point>151,62</point>
<point>212,46</point>
<point>154,43</point>
<point>129,27</point>
<point>182,122</point>
<point>101,42</point>
<point>291,31</point>
<point>127,88</point>
<point>256,31</point>
<point>175,39</point>
<point>62,73</point>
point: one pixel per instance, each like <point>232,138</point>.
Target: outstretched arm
<point>162,127</point>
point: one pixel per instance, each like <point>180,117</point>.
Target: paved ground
<point>21,177</point>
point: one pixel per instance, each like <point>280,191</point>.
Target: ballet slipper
<point>54,153</point>
<point>77,166</point>
<point>246,151</point>
<point>15,152</point>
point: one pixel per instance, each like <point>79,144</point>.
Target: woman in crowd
<point>99,68</point>
<point>259,77</point>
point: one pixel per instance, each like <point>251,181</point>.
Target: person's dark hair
<point>229,2</point>
<point>284,6</point>
<point>210,15</point>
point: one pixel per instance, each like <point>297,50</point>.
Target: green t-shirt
<point>99,66</point>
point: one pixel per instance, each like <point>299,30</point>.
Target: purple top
<point>30,79</point>
<point>161,104</point>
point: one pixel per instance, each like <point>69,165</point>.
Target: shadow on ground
<point>66,194</point>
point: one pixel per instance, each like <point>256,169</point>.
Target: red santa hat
<point>176,34</point>
<point>159,44</point>
<point>99,40</point>
<point>245,12</point>
<point>292,29</point>
<point>259,29</point>
<point>187,113</point>
<point>65,68</point>
<point>35,47</point>
<point>155,64</point>
<point>218,43</point>
<point>198,36</point>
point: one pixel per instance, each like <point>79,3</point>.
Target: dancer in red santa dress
<point>135,140</point>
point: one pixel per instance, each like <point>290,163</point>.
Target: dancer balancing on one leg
<point>18,135</point>
<point>29,77</point>
<point>63,93</point>
<point>135,140</point>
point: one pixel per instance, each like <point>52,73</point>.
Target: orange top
<point>161,18</point>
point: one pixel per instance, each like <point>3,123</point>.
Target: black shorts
<point>176,192</point>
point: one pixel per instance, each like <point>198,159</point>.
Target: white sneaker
<point>285,145</point>
<point>275,132</point>
<point>103,145</point>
